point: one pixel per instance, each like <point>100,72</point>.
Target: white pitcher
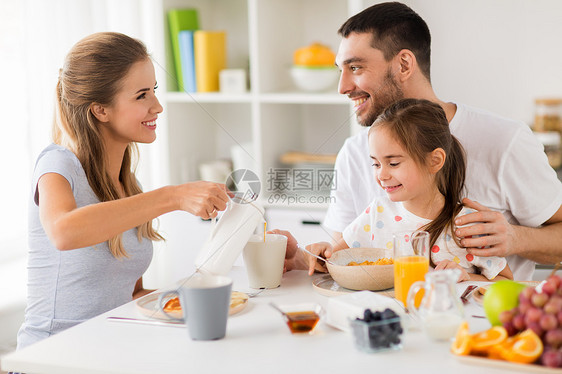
<point>441,311</point>
<point>228,237</point>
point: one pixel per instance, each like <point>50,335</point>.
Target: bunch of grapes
<point>540,311</point>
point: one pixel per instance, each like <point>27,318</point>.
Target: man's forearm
<point>542,244</point>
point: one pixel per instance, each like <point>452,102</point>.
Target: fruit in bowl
<point>313,68</point>
<point>314,79</point>
<point>315,54</point>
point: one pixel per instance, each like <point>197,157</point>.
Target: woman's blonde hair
<point>93,73</point>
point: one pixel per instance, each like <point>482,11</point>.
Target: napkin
<point>350,306</point>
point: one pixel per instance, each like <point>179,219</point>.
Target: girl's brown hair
<point>421,126</point>
<point>92,73</point>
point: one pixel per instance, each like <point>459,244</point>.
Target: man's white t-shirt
<point>507,171</point>
<point>374,227</point>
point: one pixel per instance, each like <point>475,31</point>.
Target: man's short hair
<point>394,27</point>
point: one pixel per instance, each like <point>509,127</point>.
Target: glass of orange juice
<point>411,262</point>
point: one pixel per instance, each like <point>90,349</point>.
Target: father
<point>384,56</point>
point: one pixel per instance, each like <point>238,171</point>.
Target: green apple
<point>500,296</point>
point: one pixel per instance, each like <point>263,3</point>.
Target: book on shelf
<point>187,57</point>
<point>210,58</point>
<point>179,20</point>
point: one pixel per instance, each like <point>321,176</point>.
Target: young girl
<point>421,166</point>
<point>90,230</point>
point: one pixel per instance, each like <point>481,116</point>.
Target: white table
<point>257,341</point>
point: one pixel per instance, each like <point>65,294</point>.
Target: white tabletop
<point>257,340</point>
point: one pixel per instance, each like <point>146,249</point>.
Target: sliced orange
<point>462,344</point>
<point>500,351</point>
<point>526,349</point>
<point>483,341</point>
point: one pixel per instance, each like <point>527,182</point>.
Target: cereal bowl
<point>361,277</point>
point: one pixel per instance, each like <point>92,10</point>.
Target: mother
<point>90,230</point>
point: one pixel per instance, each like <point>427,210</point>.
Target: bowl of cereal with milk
<point>362,269</point>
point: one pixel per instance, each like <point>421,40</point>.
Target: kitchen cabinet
<point>273,116</point>
<point>304,224</point>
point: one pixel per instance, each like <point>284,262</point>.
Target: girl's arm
<point>504,274</point>
<point>466,276</point>
<point>69,227</point>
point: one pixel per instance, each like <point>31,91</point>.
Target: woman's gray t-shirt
<point>69,287</point>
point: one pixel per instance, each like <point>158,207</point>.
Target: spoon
<point>313,255</point>
<point>274,306</point>
<point>256,293</point>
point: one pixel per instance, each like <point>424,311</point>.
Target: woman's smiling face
<point>134,110</point>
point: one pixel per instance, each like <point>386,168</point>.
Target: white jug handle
<point>410,300</point>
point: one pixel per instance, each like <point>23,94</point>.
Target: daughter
<point>90,224</point>
<point>421,166</point>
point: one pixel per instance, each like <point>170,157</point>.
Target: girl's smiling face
<point>132,115</point>
<point>397,172</point>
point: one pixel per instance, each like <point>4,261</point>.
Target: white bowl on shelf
<point>314,79</point>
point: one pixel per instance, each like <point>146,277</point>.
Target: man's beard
<point>388,93</point>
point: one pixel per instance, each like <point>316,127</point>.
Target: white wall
<point>495,54</point>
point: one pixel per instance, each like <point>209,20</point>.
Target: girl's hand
<point>202,199</point>
<point>448,264</point>
<point>322,249</point>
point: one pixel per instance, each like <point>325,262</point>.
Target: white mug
<point>265,259</point>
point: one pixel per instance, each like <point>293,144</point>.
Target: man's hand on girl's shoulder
<point>488,233</point>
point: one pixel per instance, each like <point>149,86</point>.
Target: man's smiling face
<point>366,77</point>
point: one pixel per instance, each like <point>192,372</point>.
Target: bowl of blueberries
<point>377,331</point>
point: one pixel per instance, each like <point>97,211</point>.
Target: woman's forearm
<point>96,223</point>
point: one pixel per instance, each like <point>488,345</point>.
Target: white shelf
<point>272,116</point>
<point>209,97</point>
<point>287,97</point>
<point>294,97</point>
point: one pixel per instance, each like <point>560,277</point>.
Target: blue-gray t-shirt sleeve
<point>54,159</point>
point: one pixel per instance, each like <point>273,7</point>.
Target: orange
<point>314,55</point>
<point>462,344</point>
<point>526,349</point>
<point>500,351</point>
<point>483,341</point>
